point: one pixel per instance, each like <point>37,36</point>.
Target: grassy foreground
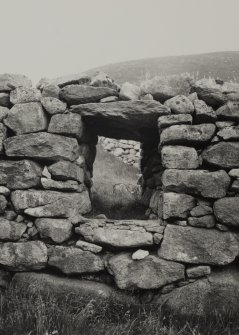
<point>21,314</point>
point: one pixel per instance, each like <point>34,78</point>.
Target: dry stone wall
<point>127,150</point>
<point>185,257</point>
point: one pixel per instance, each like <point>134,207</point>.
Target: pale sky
<point>49,38</point>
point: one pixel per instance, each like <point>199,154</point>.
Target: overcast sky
<point>49,38</point>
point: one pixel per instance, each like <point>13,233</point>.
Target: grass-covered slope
<point>223,65</point>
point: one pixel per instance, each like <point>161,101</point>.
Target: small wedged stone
<point>147,96</point>
<point>68,185</point>
<point>39,203</point>
<point>140,254</point>
<point>69,124</point>
<point>64,170</point>
<point>203,112</point>
<point>171,120</point>
<point>222,124</point>
<point>179,157</point>
<point>119,233</point>
<point>81,94</point>
<point>207,221</point>
<point>42,146</point>
<point>224,155</point>
<point>53,105</point>
<point>229,133</point>
<point>9,81</point>
<point>198,271</point>
<point>46,173</point>
<point>22,95</point>
<point>23,256</point>
<point>10,230</point>
<point>227,211</point>
<point>201,210</point>
<point>235,186</point>
<point>20,174</point>
<point>129,91</point>
<point>234,173</point>
<point>86,246</point>
<point>58,230</point>
<point>201,246</point>
<point>71,260</point>
<point>197,182</point>
<point>229,111</point>
<point>4,191</point>
<point>180,104</point>
<point>148,273</point>
<point>177,205</point>
<point>188,134</point>
<point>112,98</point>
<point>4,99</point>
<point>26,118</point>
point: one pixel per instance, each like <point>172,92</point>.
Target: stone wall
<point>126,150</point>
<point>185,257</point>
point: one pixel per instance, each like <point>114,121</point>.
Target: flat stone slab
<point>38,203</point>
<point>224,155</point>
<point>227,211</point>
<point>82,94</point>
<point>174,119</point>
<point>188,134</point>
<point>119,233</point>
<point>136,120</point>
<point>198,245</point>
<point>23,256</point>
<point>197,182</point>
<point>71,260</point>
<point>148,273</point>
<point>42,146</point>
<point>20,174</point>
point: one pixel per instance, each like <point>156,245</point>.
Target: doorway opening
<point>116,191</point>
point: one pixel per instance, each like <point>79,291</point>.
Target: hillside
<point>223,65</point>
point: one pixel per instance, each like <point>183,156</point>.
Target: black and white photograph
<point>119,167</point>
